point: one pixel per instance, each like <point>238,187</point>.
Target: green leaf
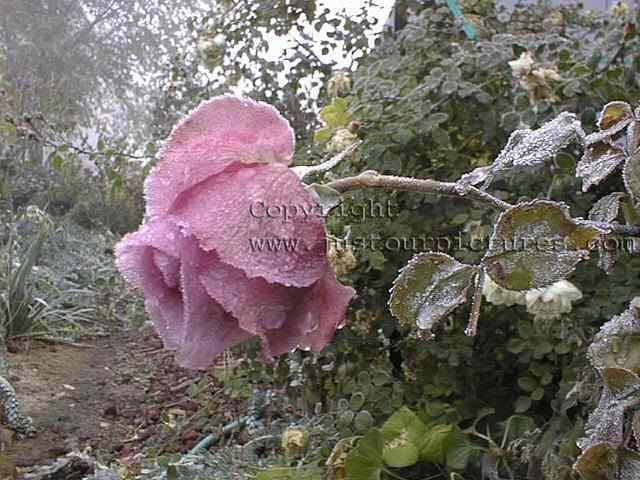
<point>522,404</point>
<point>363,421</point>
<point>440,136</point>
<point>535,244</point>
<point>57,162</point>
<point>437,118</point>
<point>401,455</point>
<point>446,444</point>
<point>516,426</point>
<point>429,288</point>
<point>403,432</point>
<point>357,401</point>
<point>336,115</point>
<point>151,149</point>
<point>365,461</point>
<point>323,135</point>
<point>459,450</point>
<point>403,423</point>
<point>537,394</point>
<point>528,384</point>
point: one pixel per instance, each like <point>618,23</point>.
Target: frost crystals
<point>614,353</point>
<point>536,244</point>
<point>530,149</point>
<point>429,288</point>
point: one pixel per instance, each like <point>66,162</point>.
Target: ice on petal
<point>218,133</point>
<point>259,219</point>
<point>207,329</point>
<point>145,259</point>
<point>257,304</point>
<point>313,322</point>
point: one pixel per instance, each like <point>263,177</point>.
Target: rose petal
<point>284,317</point>
<point>318,314</point>
<point>137,257</point>
<point>218,133</point>
<point>257,304</point>
<point>207,329</point>
<point>228,213</point>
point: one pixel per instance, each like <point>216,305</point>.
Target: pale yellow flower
<point>338,84</point>
<point>523,65</point>
<point>498,295</point>
<point>341,140</point>
<point>553,301</point>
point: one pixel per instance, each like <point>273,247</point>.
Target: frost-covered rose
<point>214,270</point>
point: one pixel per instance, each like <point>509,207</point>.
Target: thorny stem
<point>449,189</point>
<point>472,328</point>
<point>409,184</point>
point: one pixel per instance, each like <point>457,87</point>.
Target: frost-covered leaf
<point>633,135</point>
<point>598,462</point>
<point>606,210</point>
<point>614,117</point>
<point>631,176</point>
<point>617,344</point>
<point>614,114</point>
<point>536,244</point>
<point>428,288</point>
<point>476,176</point>
<point>621,382</point>
<point>629,465</point>
<point>614,353</point>
<point>531,149</point>
<point>597,162</point>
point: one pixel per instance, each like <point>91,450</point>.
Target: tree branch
<point>427,186</point>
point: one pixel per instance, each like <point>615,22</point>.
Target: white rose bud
<point>523,65</point>
<point>338,84</point>
<point>553,301</point>
<point>341,140</point>
<point>498,295</point>
<point>295,441</point>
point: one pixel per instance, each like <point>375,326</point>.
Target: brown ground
<point>120,395</point>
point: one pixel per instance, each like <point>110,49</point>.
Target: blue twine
<point>468,29</point>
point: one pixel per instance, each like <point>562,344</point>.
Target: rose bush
<point>213,270</point>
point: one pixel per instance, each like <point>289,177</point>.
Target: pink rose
<point>207,283</point>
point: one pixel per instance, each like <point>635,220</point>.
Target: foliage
<point>55,277</point>
<point>430,104</point>
<point>230,52</point>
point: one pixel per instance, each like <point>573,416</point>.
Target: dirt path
<point>113,396</point>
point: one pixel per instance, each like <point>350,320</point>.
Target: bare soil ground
<point>120,395</point>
